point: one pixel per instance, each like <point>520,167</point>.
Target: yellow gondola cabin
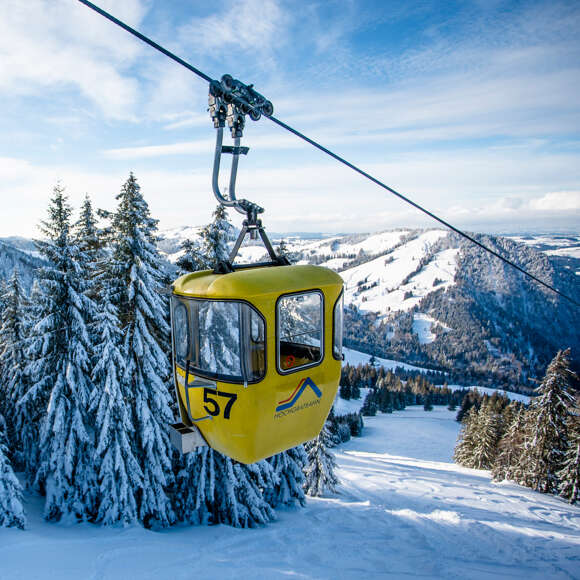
<point>257,356</point>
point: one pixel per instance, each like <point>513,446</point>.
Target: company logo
<point>295,396</point>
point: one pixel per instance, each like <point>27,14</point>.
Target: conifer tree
<point>61,371</point>
<point>86,235</point>
<point>215,237</point>
<point>289,478</point>
<point>13,378</point>
<point>30,403</point>
<point>469,401</point>
<point>86,231</point>
<point>137,267</point>
<point>487,437</point>
<point>550,444</point>
<point>521,472</point>
<point>467,439</point>
<point>369,408</point>
<point>192,259</point>
<point>119,475</point>
<point>319,471</point>
<point>510,447</point>
<point>570,473</point>
<point>214,489</point>
<point>283,249</point>
<point>11,509</point>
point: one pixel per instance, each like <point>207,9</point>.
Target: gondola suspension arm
<point>230,101</point>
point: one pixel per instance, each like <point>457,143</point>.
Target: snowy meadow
<point>403,509</point>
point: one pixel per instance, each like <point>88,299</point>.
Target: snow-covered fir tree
<point>319,471</point>
<point>86,231</point>
<point>215,237</point>
<point>61,370</point>
<point>545,456</point>
<point>13,378</point>
<point>486,437</point>
<point>521,472</point>
<point>2,294</point>
<point>192,259</point>
<point>282,248</point>
<point>288,490</point>
<point>31,404</point>
<point>467,439</point>
<point>569,475</point>
<point>119,474</point>
<point>86,235</point>
<point>11,509</point>
<point>510,447</point>
<point>214,489</point>
<point>137,267</point>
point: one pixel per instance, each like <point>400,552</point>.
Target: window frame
<point>179,305</point>
<point>339,300</point>
<point>244,337</point>
<point>322,331</point>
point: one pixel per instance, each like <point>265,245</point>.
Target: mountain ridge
<point>429,298</point>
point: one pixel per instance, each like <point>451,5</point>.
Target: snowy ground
<point>404,510</point>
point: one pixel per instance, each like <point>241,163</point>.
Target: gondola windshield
<point>219,339</point>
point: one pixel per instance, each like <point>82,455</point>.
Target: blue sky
<point>470,108</point>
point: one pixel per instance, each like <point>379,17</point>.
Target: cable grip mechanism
<point>230,100</point>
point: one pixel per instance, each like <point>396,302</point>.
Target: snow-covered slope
<point>404,510</point>
<point>430,298</point>
<point>24,260</point>
<point>354,358</point>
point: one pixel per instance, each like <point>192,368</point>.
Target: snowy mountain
<point>427,297</point>
<point>430,298</point>
<point>18,253</point>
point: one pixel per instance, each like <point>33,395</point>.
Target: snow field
<point>422,324</point>
<point>387,273</point>
<point>403,510</point>
<point>490,391</point>
<point>354,358</point>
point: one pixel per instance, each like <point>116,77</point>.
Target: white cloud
<point>60,45</point>
<point>318,196</point>
<point>557,201</point>
<point>148,151</point>
<point>256,26</point>
<point>482,126</point>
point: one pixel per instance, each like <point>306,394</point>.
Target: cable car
<point>257,356</point>
<point>257,348</point>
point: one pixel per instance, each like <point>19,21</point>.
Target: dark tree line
<point>393,391</point>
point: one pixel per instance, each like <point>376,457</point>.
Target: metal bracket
<point>230,101</point>
<point>235,150</point>
<point>186,438</point>
<point>253,228</point>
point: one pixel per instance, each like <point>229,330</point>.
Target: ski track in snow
<point>404,510</point>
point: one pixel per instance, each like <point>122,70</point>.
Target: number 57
<point>214,407</point>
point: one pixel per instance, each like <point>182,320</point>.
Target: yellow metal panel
<point>255,282</point>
